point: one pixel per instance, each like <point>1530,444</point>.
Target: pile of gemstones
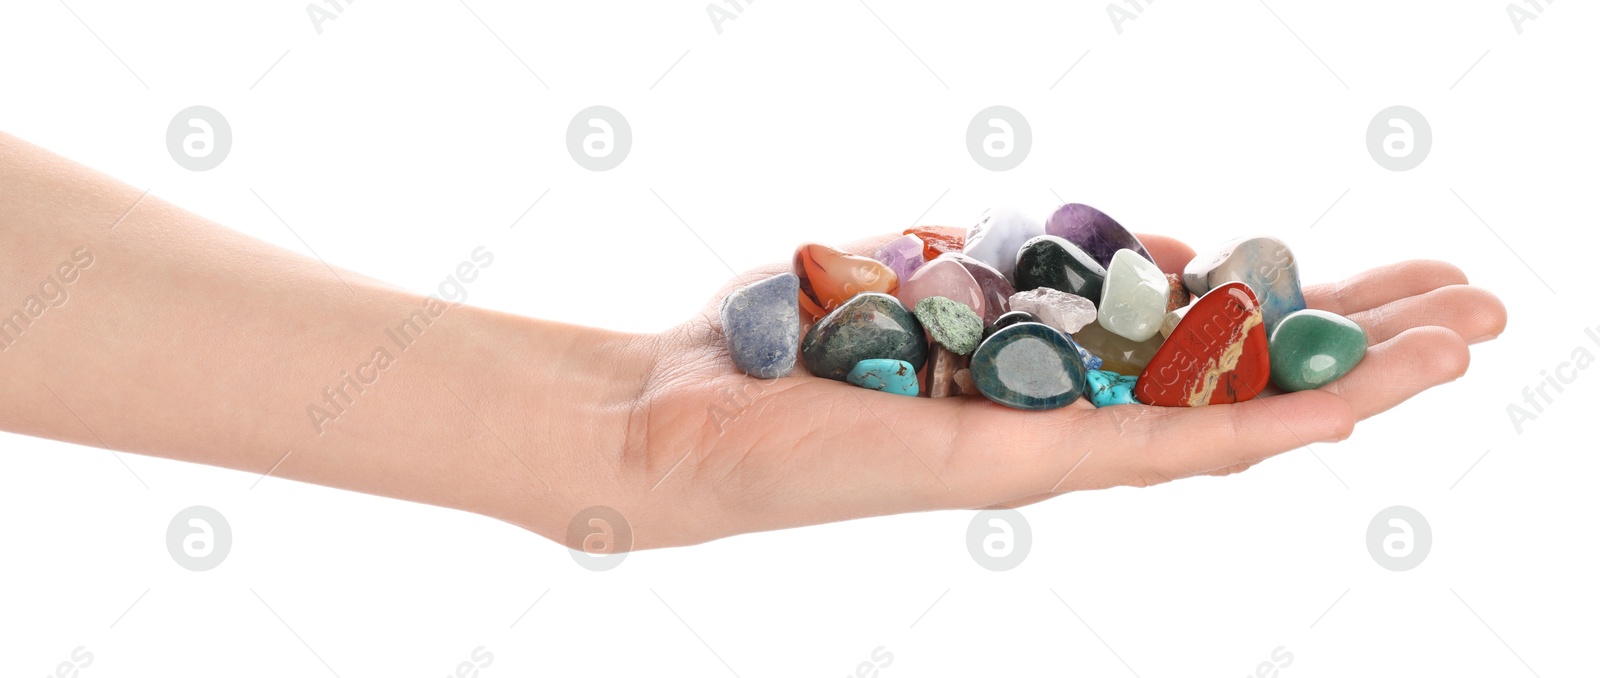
<point>1037,315</point>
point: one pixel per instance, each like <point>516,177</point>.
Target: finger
<point>1471,312</point>
<point>1395,370</point>
<point>1382,285</point>
<point>1170,254</point>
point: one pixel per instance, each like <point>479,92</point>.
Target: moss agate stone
<point>951,324</point>
<point>761,323</point>
<point>869,325</point>
<point>1029,366</point>
<point>1109,388</point>
<point>889,376</point>
<point>1054,262</point>
<point>1312,348</point>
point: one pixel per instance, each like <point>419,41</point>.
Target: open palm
<point>723,453</point>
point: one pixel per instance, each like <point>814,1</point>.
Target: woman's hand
<point>715,452</point>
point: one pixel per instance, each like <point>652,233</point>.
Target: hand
<point>724,453</point>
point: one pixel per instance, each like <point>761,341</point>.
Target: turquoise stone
<point>950,323</point>
<point>1265,264</point>
<point>761,322</point>
<point>1312,348</point>
<point>1109,388</point>
<point>869,325</point>
<point>889,376</point>
<point>1029,366</point>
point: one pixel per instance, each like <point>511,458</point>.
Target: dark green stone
<point>1029,366</point>
<point>869,325</point>
<point>1050,261</point>
<point>1311,348</point>
<point>1008,319</point>
<point>950,323</point>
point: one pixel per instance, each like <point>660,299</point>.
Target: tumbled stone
<point>761,323</point>
<point>1170,322</point>
<point>964,385</point>
<point>889,376</point>
<point>1265,264</point>
<point>1029,366</point>
<point>1217,355</point>
<point>1109,388</point>
<point>1312,348</point>
<point>1134,298</point>
<point>951,324</point>
<point>938,240</point>
<point>1099,235</point>
<point>869,325</point>
<point>1065,312</point>
<point>1179,295</point>
<point>903,255</point>
<point>942,367</point>
<point>993,287</point>
<point>1054,262</point>
<point>943,278</point>
<point>829,277</point>
<point>1118,354</point>
<point>1008,319</point>
<point>995,239</point>
<point>1090,360</point>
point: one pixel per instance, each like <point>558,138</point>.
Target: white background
<point>405,134</point>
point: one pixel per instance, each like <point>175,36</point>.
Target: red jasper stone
<point>939,239</point>
<point>1217,354</point>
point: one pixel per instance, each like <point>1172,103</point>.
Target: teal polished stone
<point>1029,366</point>
<point>889,376</point>
<point>952,324</point>
<point>1312,348</point>
<point>869,325</point>
<point>1109,388</point>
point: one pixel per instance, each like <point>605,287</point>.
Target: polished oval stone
<point>1008,319</point>
<point>995,239</point>
<point>993,287</point>
<point>938,240</point>
<point>946,278</point>
<point>1217,354</point>
<point>869,325</point>
<point>829,277</point>
<point>1312,348</point>
<point>1109,388</point>
<point>951,324</point>
<point>1065,312</point>
<point>1029,366</point>
<point>1099,235</point>
<point>1265,264</point>
<point>761,323</point>
<point>1054,262</point>
<point>1179,296</point>
<point>903,255</point>
<point>889,376</point>
<point>1134,299</point>
<point>1118,353</point>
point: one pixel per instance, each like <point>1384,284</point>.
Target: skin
<point>189,341</point>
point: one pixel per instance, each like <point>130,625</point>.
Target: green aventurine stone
<point>1311,348</point>
<point>869,325</point>
<point>951,323</point>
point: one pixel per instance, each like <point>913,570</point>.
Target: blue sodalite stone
<point>1090,360</point>
<point>1029,366</point>
<point>1109,388</point>
<point>881,374</point>
<point>762,324</point>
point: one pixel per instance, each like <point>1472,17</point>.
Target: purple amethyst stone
<point>903,255</point>
<point>1099,235</point>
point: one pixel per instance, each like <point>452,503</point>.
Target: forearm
<point>171,336</point>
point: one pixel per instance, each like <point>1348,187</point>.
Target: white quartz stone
<point>1061,310</point>
<point>1134,299</point>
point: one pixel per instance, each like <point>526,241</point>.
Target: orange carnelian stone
<point>829,277</point>
<point>937,240</point>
